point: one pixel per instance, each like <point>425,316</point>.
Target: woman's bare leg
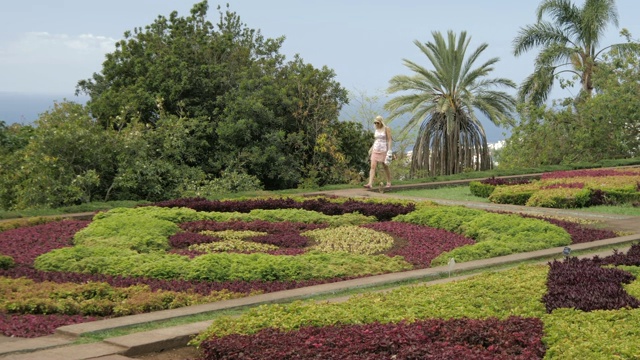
<point>387,172</point>
<point>372,172</point>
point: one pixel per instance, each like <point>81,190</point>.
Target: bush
<point>6,262</point>
<point>560,198</point>
<point>229,182</point>
<point>479,189</point>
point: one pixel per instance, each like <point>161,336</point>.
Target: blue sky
<point>47,46</point>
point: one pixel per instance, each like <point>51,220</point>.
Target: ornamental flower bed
<point>567,309</point>
<point>129,261</point>
<point>567,189</point>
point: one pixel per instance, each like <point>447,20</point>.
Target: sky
<point>47,46</point>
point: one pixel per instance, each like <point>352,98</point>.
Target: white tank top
<point>380,143</point>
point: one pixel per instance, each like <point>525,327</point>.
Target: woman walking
<point>380,151</point>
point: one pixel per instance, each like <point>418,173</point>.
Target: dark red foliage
<point>31,326</point>
<point>631,258</point>
<point>183,240</point>
<point>285,240</point>
<point>501,181</point>
<point>200,287</point>
<point>381,211</point>
<point>513,338</point>
<point>25,244</point>
<point>587,173</point>
<point>423,243</point>
<point>584,285</point>
<point>257,225</point>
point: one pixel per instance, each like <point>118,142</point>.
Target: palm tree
<point>450,139</point>
<point>570,39</point>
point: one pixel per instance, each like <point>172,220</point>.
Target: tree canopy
<point>570,42</point>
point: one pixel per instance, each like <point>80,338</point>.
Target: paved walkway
<point>60,345</point>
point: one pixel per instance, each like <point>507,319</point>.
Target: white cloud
<point>42,46</point>
<point>51,62</point>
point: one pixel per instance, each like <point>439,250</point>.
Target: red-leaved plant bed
<point>35,325</point>
<point>501,181</point>
<point>26,244</point>
<point>423,244</point>
<point>382,211</point>
<point>585,285</point>
<point>419,245</point>
<point>513,338</point>
<point>588,173</point>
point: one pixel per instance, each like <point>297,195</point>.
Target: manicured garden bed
<point>567,309</point>
<point>564,189</point>
<point>190,251</point>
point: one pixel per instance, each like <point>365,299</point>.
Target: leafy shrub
<point>560,197</point>
<point>6,262</point>
<point>228,182</point>
<point>516,195</point>
<point>480,189</point>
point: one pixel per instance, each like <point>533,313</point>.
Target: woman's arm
<point>389,140</point>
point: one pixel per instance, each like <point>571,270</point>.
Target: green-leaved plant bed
<point>519,293</point>
<point>566,189</point>
<point>190,251</point>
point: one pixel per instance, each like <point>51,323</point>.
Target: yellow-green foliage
<point>132,242</point>
<point>573,334</point>
<point>233,234</point>
<point>6,262</point>
<point>24,222</point>
<point>562,198</point>
<point>232,240</point>
<point>140,229</point>
<point>309,217</point>
<point>513,194</point>
<point>216,266</point>
<point>634,287</point>
<point>449,218</point>
<point>495,234</point>
<point>113,261</point>
<point>94,298</point>
<point>514,292</point>
<point>481,190</point>
<point>312,265</point>
<point>351,239</point>
<point>617,189</point>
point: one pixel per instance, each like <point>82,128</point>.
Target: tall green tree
<point>245,108</point>
<point>444,100</point>
<point>570,42</point>
<point>605,126</point>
